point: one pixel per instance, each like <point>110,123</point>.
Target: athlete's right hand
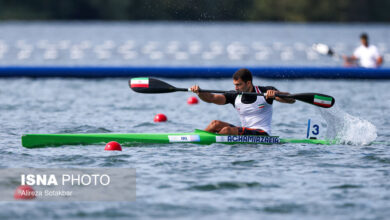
<point>195,89</point>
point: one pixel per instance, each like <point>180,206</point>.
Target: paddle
<point>324,50</point>
<point>151,85</point>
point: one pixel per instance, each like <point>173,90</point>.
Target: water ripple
<point>346,186</point>
<point>84,129</point>
<point>383,160</point>
<point>226,186</point>
<point>244,162</point>
<point>189,180</point>
<point>285,208</point>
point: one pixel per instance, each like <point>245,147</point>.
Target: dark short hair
<point>243,74</point>
<point>364,36</point>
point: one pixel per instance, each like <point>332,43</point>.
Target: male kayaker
<point>367,55</point>
<point>255,111</point>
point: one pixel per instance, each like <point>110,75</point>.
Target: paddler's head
<point>242,80</point>
<point>364,39</point>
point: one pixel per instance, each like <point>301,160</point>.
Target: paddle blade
<point>323,49</point>
<point>150,85</point>
<point>320,100</point>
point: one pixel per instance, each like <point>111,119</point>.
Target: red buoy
<point>113,145</point>
<point>192,100</point>
<point>24,192</point>
<point>160,118</point>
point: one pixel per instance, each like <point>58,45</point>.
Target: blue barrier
<point>196,72</point>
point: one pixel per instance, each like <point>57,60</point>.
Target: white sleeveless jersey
<point>256,115</point>
<point>367,56</point>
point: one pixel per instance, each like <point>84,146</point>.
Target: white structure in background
<point>277,45</point>
<point>181,55</point>
<point>287,54</point>
<point>311,54</point>
<point>299,46</point>
<point>76,53</point>
<point>261,52</point>
<point>236,50</point>
<point>216,49</point>
<point>86,44</point>
<point>173,47</point>
<point>127,50</point>
<point>103,51</point>
<point>63,45</point>
<point>50,53</point>
<point>3,49</point>
<point>218,52</point>
<point>150,49</point>
<point>195,47</point>
<point>25,50</point>
<point>156,55</point>
<point>42,44</point>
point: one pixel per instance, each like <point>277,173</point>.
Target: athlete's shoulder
<point>373,48</point>
<point>264,89</point>
<point>230,96</point>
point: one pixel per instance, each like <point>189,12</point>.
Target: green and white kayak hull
<point>196,137</point>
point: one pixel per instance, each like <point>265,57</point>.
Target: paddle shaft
<point>235,92</point>
<point>151,85</point>
<point>304,97</point>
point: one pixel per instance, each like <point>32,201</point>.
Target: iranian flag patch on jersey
<point>322,101</point>
<point>261,106</point>
<point>140,83</point>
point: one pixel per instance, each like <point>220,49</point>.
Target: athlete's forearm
<point>285,100</point>
<point>349,58</point>
<point>379,61</point>
<point>206,96</point>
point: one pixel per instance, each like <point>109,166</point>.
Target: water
<point>349,180</point>
<point>347,129</point>
<point>181,44</point>
<point>294,181</point>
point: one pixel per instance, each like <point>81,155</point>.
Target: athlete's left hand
<point>271,94</point>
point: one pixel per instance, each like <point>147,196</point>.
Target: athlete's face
<point>364,41</point>
<point>242,86</point>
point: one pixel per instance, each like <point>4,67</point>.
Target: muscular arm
<point>212,98</point>
<point>379,61</point>
<point>284,100</point>
<point>349,58</point>
<point>350,61</point>
<point>209,97</point>
<point>272,94</point>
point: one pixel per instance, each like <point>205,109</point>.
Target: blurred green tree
<point>198,10</point>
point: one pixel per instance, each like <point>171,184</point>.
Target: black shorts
<point>250,131</point>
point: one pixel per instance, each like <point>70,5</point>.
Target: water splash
<point>348,129</point>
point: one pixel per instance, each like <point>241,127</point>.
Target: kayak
<point>196,137</point>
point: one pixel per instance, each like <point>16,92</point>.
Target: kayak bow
<point>196,137</point>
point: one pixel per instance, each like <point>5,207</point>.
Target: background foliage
<point>198,10</point>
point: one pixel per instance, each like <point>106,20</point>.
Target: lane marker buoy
<point>112,146</point>
<point>160,118</point>
<point>192,100</point>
